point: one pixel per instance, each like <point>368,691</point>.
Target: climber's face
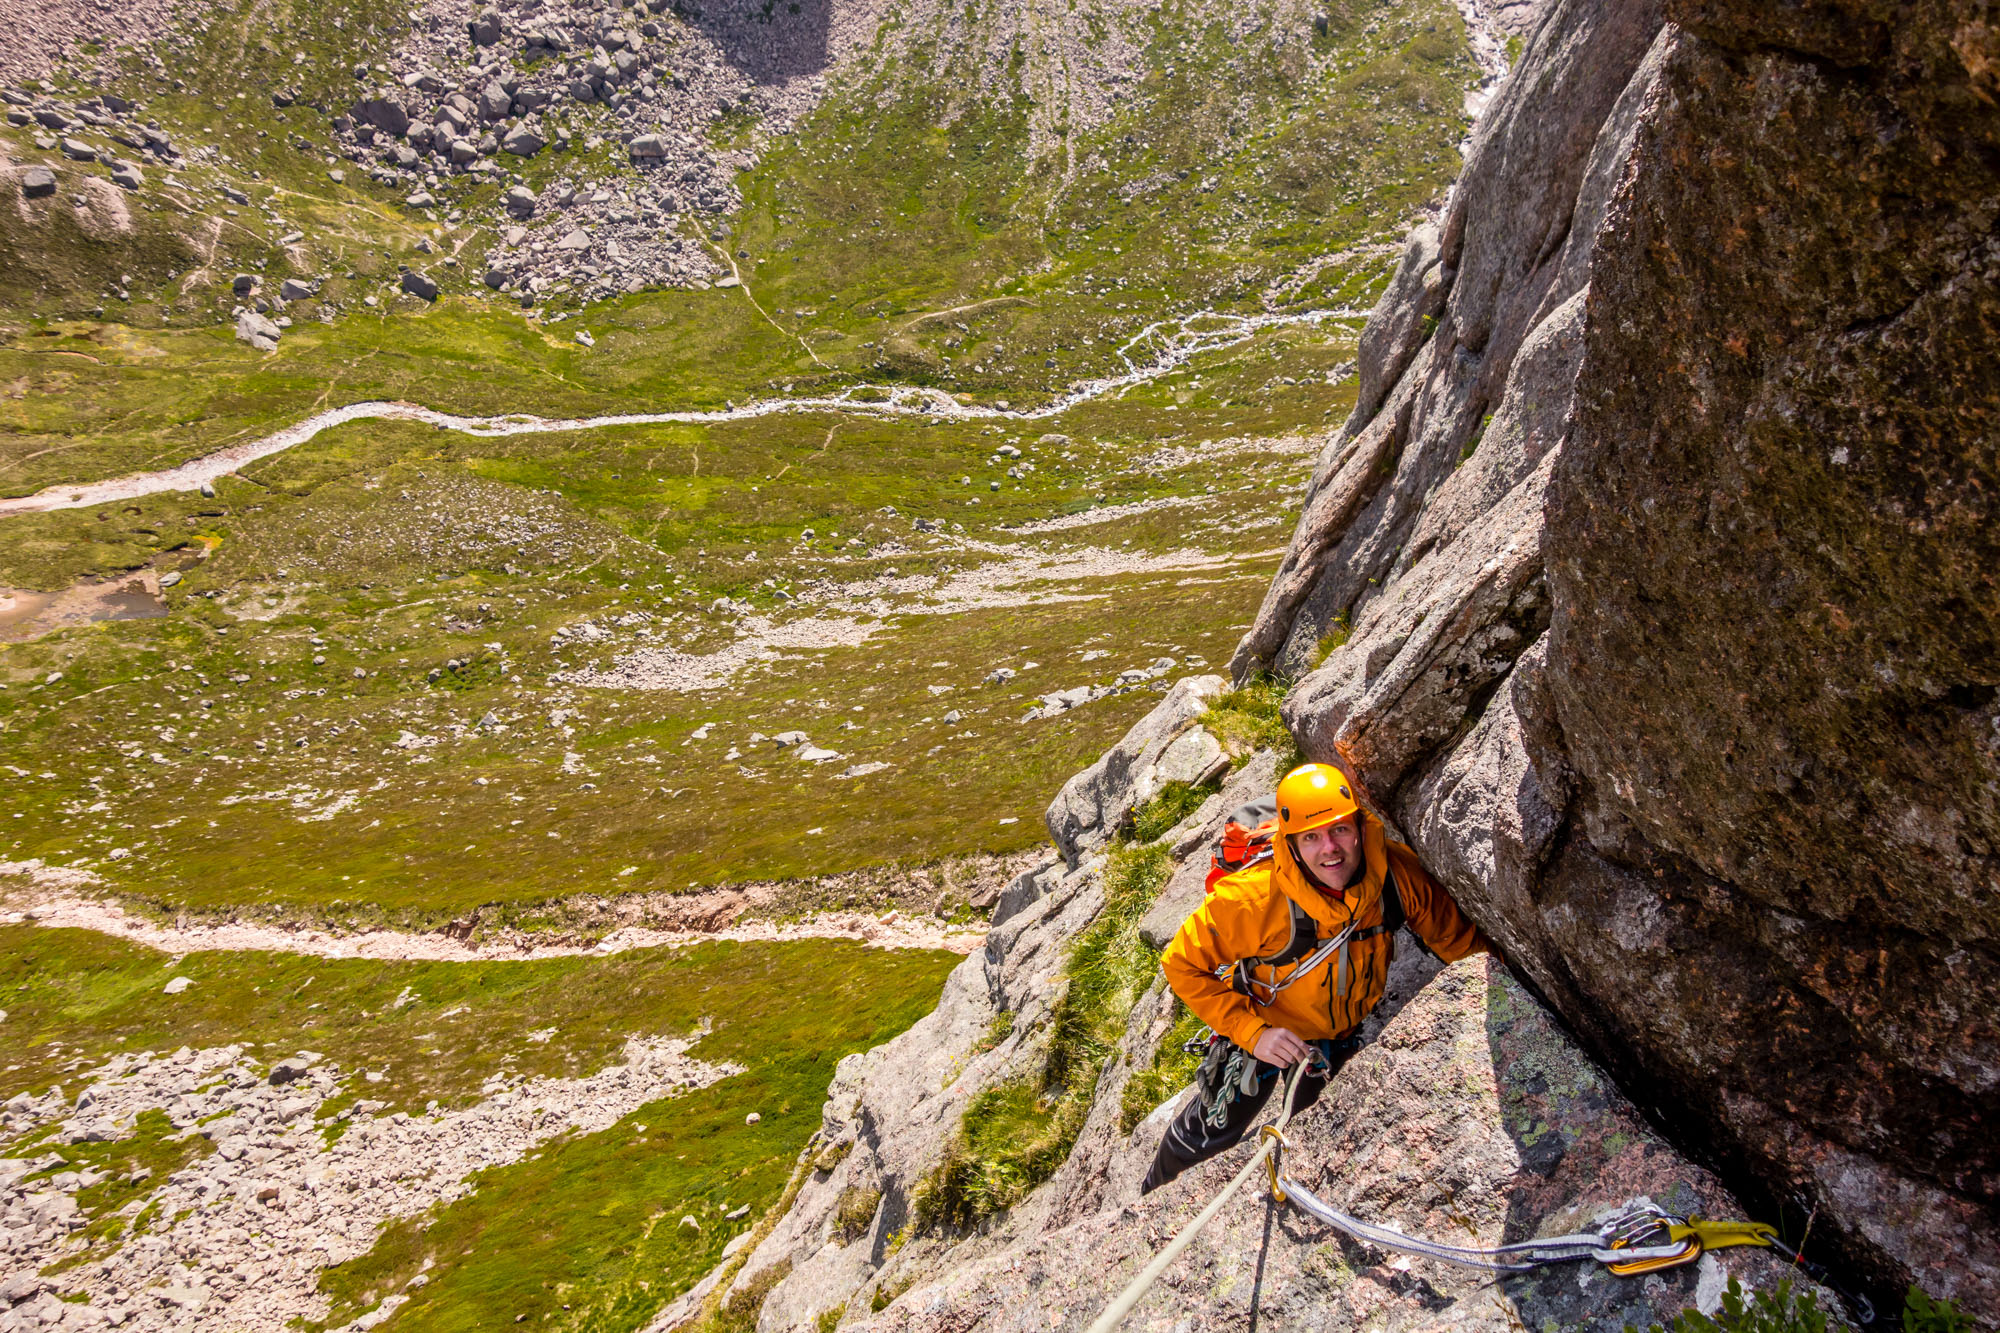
<point>1331,854</point>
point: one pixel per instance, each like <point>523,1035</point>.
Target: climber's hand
<point>1280,1047</point>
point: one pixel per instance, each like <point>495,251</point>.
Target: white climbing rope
<point>1114,1313</point>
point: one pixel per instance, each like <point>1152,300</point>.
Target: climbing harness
<point>1242,977</point>
<point>1640,1238</point>
<point>1309,951</point>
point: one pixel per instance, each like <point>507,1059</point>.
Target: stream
<point>1172,344</point>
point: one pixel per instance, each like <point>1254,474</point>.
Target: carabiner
<point>1280,1143</point>
<point>1650,1259</point>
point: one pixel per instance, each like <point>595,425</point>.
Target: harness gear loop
<point>1228,1071</point>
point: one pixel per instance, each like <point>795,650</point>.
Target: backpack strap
<point>1392,911</point>
<point>1305,938</point>
<point>1305,935</point>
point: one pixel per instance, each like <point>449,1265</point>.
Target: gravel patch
<point>242,1235</point>
<point>1021,579</point>
<point>44,33</point>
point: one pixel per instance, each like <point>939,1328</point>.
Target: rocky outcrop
<point>1469,1115</point>
<point>1663,538</point>
<point>1167,745</point>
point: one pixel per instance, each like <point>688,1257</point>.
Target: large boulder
<point>495,101</point>
<point>258,331</point>
<point>523,141</point>
<point>1166,745</point>
<point>385,111</point>
<point>1665,542</point>
<point>1775,663</point>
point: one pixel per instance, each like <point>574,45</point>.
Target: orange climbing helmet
<point>1312,796</point>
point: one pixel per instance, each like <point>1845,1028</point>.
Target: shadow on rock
<point>769,41</point>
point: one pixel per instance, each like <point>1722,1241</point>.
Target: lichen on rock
<point>1662,534</point>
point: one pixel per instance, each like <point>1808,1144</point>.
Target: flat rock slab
<point>1164,746</point>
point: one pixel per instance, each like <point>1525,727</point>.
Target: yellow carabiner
<point>1688,1253</point>
<point>1721,1235</point>
<point>1277,1190</point>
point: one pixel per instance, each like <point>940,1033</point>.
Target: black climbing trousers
<point>1195,1137</point>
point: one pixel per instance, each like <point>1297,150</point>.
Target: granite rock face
<point>1469,1115</point>
<point>1167,745</point>
<point>1664,534</point>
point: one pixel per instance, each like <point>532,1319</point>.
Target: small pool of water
<point>29,615</point>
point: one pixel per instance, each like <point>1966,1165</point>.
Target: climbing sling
<point>1639,1238</point>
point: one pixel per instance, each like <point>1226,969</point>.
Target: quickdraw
<point>1641,1238</point>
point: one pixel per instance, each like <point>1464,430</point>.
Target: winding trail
<point>73,912</point>
<point>1171,343</point>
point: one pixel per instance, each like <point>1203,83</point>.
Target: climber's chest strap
<point>1309,951</point>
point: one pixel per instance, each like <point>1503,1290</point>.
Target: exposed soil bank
<point>25,614</point>
<point>920,908</point>
<point>892,931</point>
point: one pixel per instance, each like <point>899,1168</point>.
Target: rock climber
<point>1258,962</point>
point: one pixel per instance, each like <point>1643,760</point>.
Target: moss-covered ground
<point>441,567</point>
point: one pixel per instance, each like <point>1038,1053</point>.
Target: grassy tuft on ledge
<point>1015,1134</point>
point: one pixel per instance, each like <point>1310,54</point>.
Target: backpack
<point>1245,840</point>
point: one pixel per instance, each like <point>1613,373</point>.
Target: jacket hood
<point>1291,878</point>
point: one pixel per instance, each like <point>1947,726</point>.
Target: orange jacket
<point>1249,916</point>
